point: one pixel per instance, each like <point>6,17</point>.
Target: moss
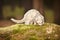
<point>48,31</point>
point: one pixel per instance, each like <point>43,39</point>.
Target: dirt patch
<point>4,23</point>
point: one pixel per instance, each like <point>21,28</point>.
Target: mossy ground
<point>48,31</point>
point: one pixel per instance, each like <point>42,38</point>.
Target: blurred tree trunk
<point>57,11</point>
<point>27,4</point>
<point>13,4</point>
<point>1,15</point>
<point>38,4</point>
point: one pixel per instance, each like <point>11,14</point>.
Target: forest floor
<point>4,23</point>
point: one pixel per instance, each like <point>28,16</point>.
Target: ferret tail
<point>17,21</point>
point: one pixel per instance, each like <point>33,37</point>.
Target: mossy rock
<point>48,31</point>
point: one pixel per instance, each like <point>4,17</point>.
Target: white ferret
<point>30,17</point>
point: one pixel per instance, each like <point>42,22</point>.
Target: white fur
<point>39,20</point>
<point>30,17</point>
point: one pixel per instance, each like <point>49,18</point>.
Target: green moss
<point>48,31</point>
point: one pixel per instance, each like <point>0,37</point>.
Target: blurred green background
<point>17,8</point>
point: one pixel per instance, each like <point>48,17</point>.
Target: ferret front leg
<point>31,22</point>
<point>27,22</point>
<point>35,23</point>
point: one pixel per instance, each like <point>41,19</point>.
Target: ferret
<point>30,17</point>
